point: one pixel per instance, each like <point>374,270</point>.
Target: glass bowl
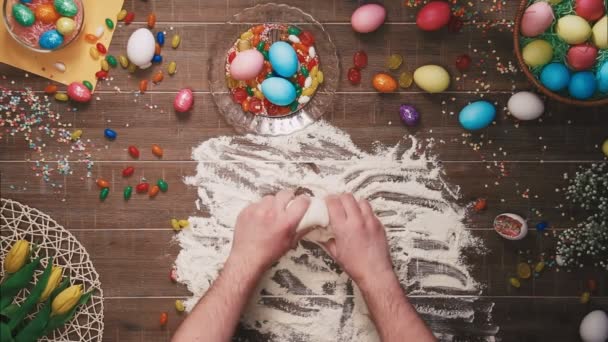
<point>28,36</point>
<point>245,122</point>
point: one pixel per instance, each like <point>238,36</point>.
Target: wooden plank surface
<point>518,167</point>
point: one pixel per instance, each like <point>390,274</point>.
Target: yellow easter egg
<point>605,148</point>
<point>432,78</point>
<point>65,25</point>
<point>573,29</point>
<point>554,2</point>
<point>537,52</point>
<point>600,33</point>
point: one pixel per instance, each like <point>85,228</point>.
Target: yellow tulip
<point>51,285</point>
<point>17,256</point>
<point>66,300</point>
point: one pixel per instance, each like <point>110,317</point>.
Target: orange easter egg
<point>384,83</point>
<point>46,13</point>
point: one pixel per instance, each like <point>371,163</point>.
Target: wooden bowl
<point>563,99</point>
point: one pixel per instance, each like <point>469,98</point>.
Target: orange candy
<point>255,40</point>
<point>90,38</point>
<point>384,83</point>
<point>158,77</point>
<point>303,48</point>
<point>154,191</point>
<point>245,106</point>
<point>157,150</point>
<point>157,49</point>
<point>50,89</point>
<point>164,318</point>
<point>151,20</point>
<point>258,29</point>
<point>46,13</point>
<point>143,86</point>
<point>102,183</point>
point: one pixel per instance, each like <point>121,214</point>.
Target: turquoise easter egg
<point>66,8</point>
<point>477,115</point>
<point>602,78</point>
<point>23,15</point>
<point>50,40</point>
<point>582,85</point>
<point>283,59</point>
<point>279,91</point>
<point>555,76</point>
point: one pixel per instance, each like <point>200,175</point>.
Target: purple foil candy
<point>409,115</point>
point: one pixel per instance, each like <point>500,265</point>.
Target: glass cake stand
<point>245,122</point>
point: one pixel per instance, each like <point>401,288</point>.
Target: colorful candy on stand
<point>133,151</point>
<point>157,150</point>
<point>128,171</point>
<point>142,187</point>
<point>127,192</point>
<point>110,133</point>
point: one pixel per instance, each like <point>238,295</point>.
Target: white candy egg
<point>526,106</point>
<point>140,48</point>
<point>594,327</point>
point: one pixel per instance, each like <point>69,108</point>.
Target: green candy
<point>23,15</point>
<point>103,194</point>
<point>66,8</point>
<point>112,61</point>
<point>304,71</point>
<point>109,23</point>
<point>88,85</point>
<point>249,91</point>
<point>269,75</point>
<point>294,30</point>
<point>127,192</point>
<point>266,56</point>
<point>298,91</point>
<point>162,185</point>
<point>293,106</point>
<point>260,46</point>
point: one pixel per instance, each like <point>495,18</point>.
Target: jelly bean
<point>112,61</point>
<point>523,270</point>
<point>133,151</point>
<point>160,38</point>
<point>129,18</point>
<point>243,45</point>
<point>158,77</point>
<point>110,133</point>
<point>175,41</point>
<point>293,106</point>
<point>90,38</point>
<point>46,14</point>
<point>266,55</point>
<point>307,38</point>
<point>172,68</point>
<point>260,46</point>
<point>293,30</point>
<point>157,49</point>
<point>311,64</point>
<point>304,99</point>
<point>66,8</point>
<point>294,39</point>
<point>585,297</point>
<point>591,285</point>
<point>308,82</point>
<point>109,23</point>
<point>239,95</point>
<point>312,52</point>
<point>132,68</point>
<point>127,192</point>
<point>99,31</point>
<point>360,59</point>
<point>23,15</point>
<point>153,191</point>
<point>142,187</point>
<point>394,61</point>
<point>249,91</point>
<point>59,66</point>
<point>157,150</point>
<point>246,35</point>
<point>157,59</point>
<point>164,318</point>
<point>301,48</point>
<point>151,20</point>
<point>255,105</point>
<point>304,70</point>
<point>231,83</point>
<point>124,61</point>
<point>183,223</point>
<point>162,185</point>
<point>102,183</point>
<point>61,97</point>
<point>50,89</point>
<point>258,29</point>
<point>231,56</point>
<point>539,266</point>
<point>405,79</point>
<point>354,76</point>
<point>105,66</point>
<point>179,305</point>
<point>308,91</point>
<point>463,62</point>
<point>88,84</point>
<point>480,205</point>
<point>175,225</point>
<point>101,48</point>
<point>258,94</point>
<point>320,77</point>
<point>514,282</point>
<point>128,171</point>
<point>121,15</point>
<point>255,40</point>
<point>76,135</point>
<point>103,194</point>
<point>173,275</point>
<point>101,74</point>
<point>94,53</point>
<point>245,105</point>
<point>143,86</point>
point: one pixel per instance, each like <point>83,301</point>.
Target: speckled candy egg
<point>432,78</point>
<point>526,106</point>
<point>537,52</point>
<point>602,77</point>
<point>140,48</point>
<point>591,10</point>
<point>50,40</point>
<point>573,29</point>
<point>600,33</point>
<point>46,13</point>
<point>536,19</point>
<point>23,15</point>
<point>477,115</point>
<point>433,16</point>
<point>384,83</point>
<point>409,115</point>
<point>66,8</point>
<point>581,56</point>
<point>555,76</point>
<point>283,59</point>
<point>279,91</point>
<point>368,18</point>
<point>79,92</point>
<point>247,65</point>
<point>582,85</point>
<point>65,25</point>
<point>184,99</point>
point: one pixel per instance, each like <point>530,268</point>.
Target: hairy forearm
<point>216,315</point>
<point>395,318</point>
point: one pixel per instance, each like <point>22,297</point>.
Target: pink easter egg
<point>536,19</point>
<point>247,65</point>
<point>368,18</point>
<point>591,10</point>
<point>78,92</point>
<point>183,100</point>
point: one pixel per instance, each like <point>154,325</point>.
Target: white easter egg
<point>526,106</point>
<point>140,48</point>
<point>594,327</point>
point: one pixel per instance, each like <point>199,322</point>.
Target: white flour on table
<point>305,296</point>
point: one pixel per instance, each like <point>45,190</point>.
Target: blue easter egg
<point>50,40</point>
<point>160,38</point>
<point>279,91</point>
<point>477,115</point>
<point>602,78</point>
<point>555,76</point>
<point>582,85</point>
<point>110,133</point>
<point>283,59</point>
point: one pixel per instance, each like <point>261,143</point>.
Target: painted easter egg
<point>247,65</point>
<point>368,18</point>
<point>537,52</point>
<point>279,91</point>
<point>555,76</point>
<point>581,56</point>
<point>66,8</point>
<point>23,15</point>
<point>184,99</point>
<point>525,106</point>
<point>582,85</point>
<point>573,29</point>
<point>591,10</point>
<point>46,13</point>
<point>409,115</point>
<point>283,59</point>
<point>79,92</point>
<point>140,48</point>
<point>50,40</point>
<point>511,226</point>
<point>536,19</point>
<point>477,115</point>
<point>602,77</point>
<point>594,327</point>
<point>433,16</point>
<point>384,83</point>
<point>432,78</point>
<point>600,33</point>
<point>65,25</point>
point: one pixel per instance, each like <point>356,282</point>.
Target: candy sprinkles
<point>274,78</point>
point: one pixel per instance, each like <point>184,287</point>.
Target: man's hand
<point>360,245</point>
<point>265,230</point>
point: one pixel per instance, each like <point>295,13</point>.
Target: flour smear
<point>305,296</point>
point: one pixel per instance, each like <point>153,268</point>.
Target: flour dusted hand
<point>314,226</point>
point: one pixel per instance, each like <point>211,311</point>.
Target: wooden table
<point>517,167</point>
